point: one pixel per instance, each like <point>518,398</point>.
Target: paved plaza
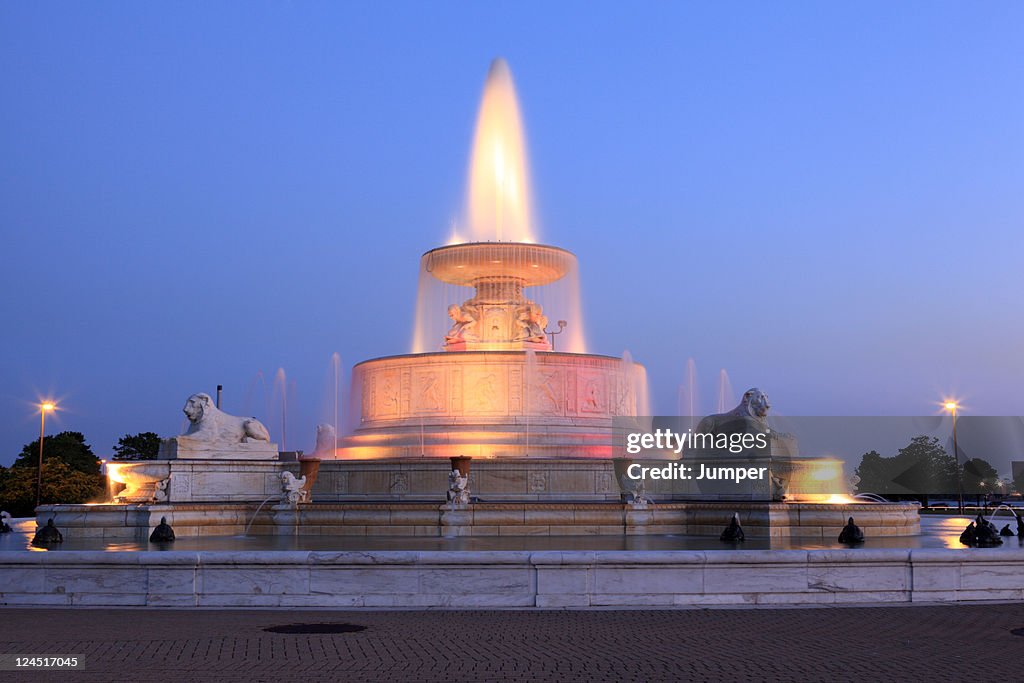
<point>933,643</point>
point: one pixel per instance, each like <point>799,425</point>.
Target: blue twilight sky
<point>823,199</point>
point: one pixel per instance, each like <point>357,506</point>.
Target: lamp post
<point>44,408</point>
<point>951,406</point>
<point>552,333</point>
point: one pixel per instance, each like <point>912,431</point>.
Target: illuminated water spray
<point>499,203</point>
<point>493,286</point>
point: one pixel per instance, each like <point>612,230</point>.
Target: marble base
<point>185,448</point>
<point>523,579</point>
<point>200,481</point>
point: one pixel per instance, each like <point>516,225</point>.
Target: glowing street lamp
<point>44,408</point>
<point>951,406</point>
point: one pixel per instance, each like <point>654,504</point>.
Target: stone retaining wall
<point>464,579</point>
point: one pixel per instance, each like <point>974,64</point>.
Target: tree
<point>141,446</point>
<point>874,473</point>
<point>980,477</point>
<point>61,484</point>
<point>67,447</point>
<point>922,467</point>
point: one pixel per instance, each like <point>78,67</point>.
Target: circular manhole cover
<point>316,628</point>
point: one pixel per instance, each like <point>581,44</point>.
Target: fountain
<point>483,382</point>
<point>378,517</point>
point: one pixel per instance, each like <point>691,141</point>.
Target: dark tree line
<point>923,468</point>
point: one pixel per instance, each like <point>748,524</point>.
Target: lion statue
<point>749,417</point>
<point>210,423</point>
<point>752,412</point>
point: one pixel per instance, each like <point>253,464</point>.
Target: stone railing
<point>458,579</point>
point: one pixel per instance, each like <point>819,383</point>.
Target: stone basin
<point>145,481</point>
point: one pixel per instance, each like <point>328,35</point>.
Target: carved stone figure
<point>851,533</point>
<point>5,519</point>
<point>532,321</point>
<point>430,392</point>
<point>751,417</point>
<point>163,533</point>
<point>593,400</point>
<point>458,489</point>
<point>212,434</point>
<point>160,490</point>
<point>545,392</point>
<point>292,489</point>
<point>734,532</point>
<point>1020,525</point>
<point>779,487</point>
<point>388,396</point>
<point>486,392</point>
<point>987,535</point>
<point>969,537</point>
<point>47,535</point>
<point>463,321</point>
<point>326,440</point>
<point>640,498</point>
<point>752,412</point>
<point>210,423</point>
<point>1005,531</point>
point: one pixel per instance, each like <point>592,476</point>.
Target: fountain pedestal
<point>188,448</point>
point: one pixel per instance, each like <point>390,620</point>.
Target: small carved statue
<point>458,489</point>
<point>1005,531</point>
<point>1020,525</point>
<point>532,322</point>
<point>160,491</point>
<point>640,499</point>
<point>292,488</point>
<point>851,533</point>
<point>5,526</point>
<point>163,533</point>
<point>779,487</point>
<point>463,321</point>
<point>734,532</point>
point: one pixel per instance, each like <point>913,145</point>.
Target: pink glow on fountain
<point>493,260</point>
<point>499,365</point>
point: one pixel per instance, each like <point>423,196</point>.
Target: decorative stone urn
<point>461,463</point>
<point>308,469</point>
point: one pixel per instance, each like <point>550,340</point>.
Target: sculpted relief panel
<point>485,391</point>
<point>410,388</point>
<point>430,390</point>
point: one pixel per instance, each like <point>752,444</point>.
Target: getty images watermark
<point>667,440</point>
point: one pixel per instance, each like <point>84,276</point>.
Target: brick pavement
<point>918,643</point>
